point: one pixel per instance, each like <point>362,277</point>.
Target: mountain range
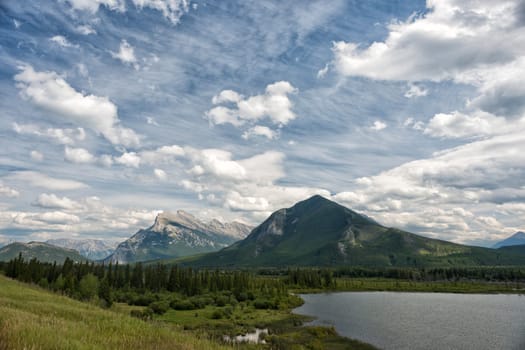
<point>320,232</point>
<point>176,235</point>
<point>93,249</point>
<point>41,251</point>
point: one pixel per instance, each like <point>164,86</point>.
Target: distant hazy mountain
<point>176,235</point>
<point>93,249</point>
<point>40,250</point>
<point>516,239</point>
<point>319,232</point>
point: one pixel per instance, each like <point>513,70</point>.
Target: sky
<point>410,112</point>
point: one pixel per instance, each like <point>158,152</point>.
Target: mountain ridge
<point>320,232</point>
<point>516,239</point>
<point>177,234</point>
<point>42,251</point>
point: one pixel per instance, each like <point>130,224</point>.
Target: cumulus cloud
<point>62,41</point>
<point>126,54</point>
<point>36,156</point>
<point>160,174</point>
<point>452,38</point>
<point>78,155</point>
<point>52,201</point>
<point>8,191</point>
<point>415,91</point>
<point>457,124</point>
<point>85,29</point>
<point>129,159</point>
<point>51,92</point>
<point>60,136</point>
<point>378,125</point>
<point>274,105</point>
<point>37,179</point>
<point>173,10</point>
<point>260,130</point>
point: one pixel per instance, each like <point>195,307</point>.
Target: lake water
<point>395,321</point>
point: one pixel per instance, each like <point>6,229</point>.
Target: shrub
<point>217,315</point>
<point>159,307</point>
<point>178,304</point>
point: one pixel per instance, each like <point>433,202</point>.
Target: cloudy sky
<point>412,112</point>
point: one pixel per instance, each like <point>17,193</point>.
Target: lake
<point>392,320</point>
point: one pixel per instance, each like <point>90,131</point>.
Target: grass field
<point>31,318</point>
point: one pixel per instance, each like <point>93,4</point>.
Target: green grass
<point>31,318</point>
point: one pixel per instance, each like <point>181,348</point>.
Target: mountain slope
<point>42,251</point>
<point>319,232</point>
<point>176,235</point>
<point>93,249</point>
<point>516,239</point>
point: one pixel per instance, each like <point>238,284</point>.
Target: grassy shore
<point>32,318</point>
<point>395,285</point>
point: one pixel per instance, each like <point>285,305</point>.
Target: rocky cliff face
<point>175,235</point>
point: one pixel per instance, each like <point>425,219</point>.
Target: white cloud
<point>78,155</point>
<point>60,136</point>
<point>37,179</point>
<point>151,121</point>
<point>259,130</point>
<point>457,124</point>
<point>160,174</point>
<point>43,219</point>
<point>50,91</point>
<point>54,202</point>
<point>378,125</point>
<point>173,10</point>
<point>274,104</point>
<point>126,54</point>
<point>414,124</point>
<point>476,177</point>
<point>415,91</point>
<point>93,5</point>
<point>8,191</point>
<point>62,41</point>
<point>36,156</point>
<point>226,96</point>
<point>85,29</point>
<point>322,72</point>
<point>129,159</point>
<point>452,38</point>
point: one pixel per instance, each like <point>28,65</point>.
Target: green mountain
<point>319,232</point>
<point>42,251</point>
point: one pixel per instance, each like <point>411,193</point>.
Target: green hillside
<point>44,252</point>
<point>319,232</point>
<point>31,318</point>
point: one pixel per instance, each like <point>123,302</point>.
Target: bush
<point>159,307</point>
<point>178,304</point>
<point>222,300</point>
<point>261,304</point>
<point>217,315</point>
